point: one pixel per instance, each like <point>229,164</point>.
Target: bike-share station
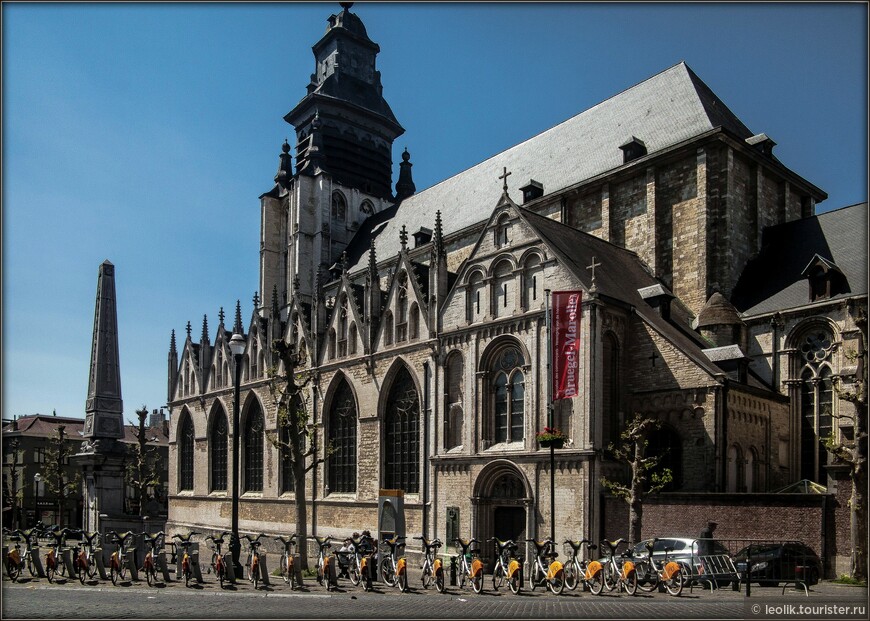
<point>391,516</point>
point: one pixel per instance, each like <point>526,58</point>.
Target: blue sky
<point>144,134</point>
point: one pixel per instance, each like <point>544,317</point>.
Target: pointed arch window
<point>342,327</point>
<point>402,309</point>
<point>186,454</point>
<point>414,322</point>
<point>217,444</point>
<point>509,395</point>
<point>253,443</point>
<point>388,328</point>
<point>254,358</point>
<point>339,208</point>
<point>402,435</point>
<point>351,339</point>
<point>816,401</point>
<point>453,372</point>
<point>341,464</point>
<point>666,443</point>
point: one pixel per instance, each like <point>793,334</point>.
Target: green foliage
<point>847,579</point>
<point>144,464</point>
<point>57,481</point>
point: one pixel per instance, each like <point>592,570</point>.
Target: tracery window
<point>402,436</point>
<point>402,309</point>
<point>339,208</point>
<point>253,443</point>
<point>509,398</point>
<point>341,464</point>
<point>217,444</point>
<point>816,402</point>
<point>185,448</point>
<point>342,327</point>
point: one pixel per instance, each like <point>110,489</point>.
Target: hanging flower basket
<point>551,436</point>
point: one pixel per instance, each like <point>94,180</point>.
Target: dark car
<point>773,563</point>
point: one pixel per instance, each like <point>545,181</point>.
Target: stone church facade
<point>421,316</point>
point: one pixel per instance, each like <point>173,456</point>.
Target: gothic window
<point>453,401</point>
<point>217,444</point>
<point>532,281</point>
<point>367,208</point>
<point>331,345</point>
<point>185,450</point>
<point>816,402</point>
<point>473,294</point>
<point>339,208</point>
<point>402,309</point>
<point>666,443</point>
<point>303,353</point>
<point>414,322</point>
<point>502,288</point>
<point>401,437</point>
<point>610,406</point>
<point>342,327</point>
<point>753,482</point>
<point>254,358</point>
<point>502,231</point>
<point>351,339</point>
<point>388,328</point>
<point>253,449</point>
<point>509,395</point>
<point>226,374</point>
<point>341,464</point>
<point>219,369</point>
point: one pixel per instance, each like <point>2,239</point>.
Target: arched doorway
<point>503,506</point>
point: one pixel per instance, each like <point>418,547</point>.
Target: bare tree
<point>299,437</point>
<point>851,449</point>
<point>12,491</point>
<point>144,465</point>
<point>57,480</point>
<point>647,476</point>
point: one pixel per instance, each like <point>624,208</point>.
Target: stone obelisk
<point>102,454</point>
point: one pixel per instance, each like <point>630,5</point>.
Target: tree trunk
<point>858,515</point>
<point>301,513</point>
<point>635,501</point>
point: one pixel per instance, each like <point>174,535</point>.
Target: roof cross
<point>504,176</point>
<point>592,267</point>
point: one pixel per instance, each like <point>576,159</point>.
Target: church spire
<point>237,326</point>
<point>172,363</point>
<point>405,185</point>
<point>285,166</point>
<point>204,337</point>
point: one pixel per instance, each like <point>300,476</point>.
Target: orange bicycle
<point>118,563</point>
<point>149,565</point>
<point>470,565</point>
<point>186,561</point>
<point>433,569</point>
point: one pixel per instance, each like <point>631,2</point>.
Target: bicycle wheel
<point>439,580</point>
<point>674,585</point>
<point>61,566</point>
<point>515,582</point>
<point>354,572</point>
<point>320,572</point>
<point>221,573</point>
<point>596,582</point>
<point>557,583</point>
<point>255,575</point>
<point>477,582</point>
<point>114,574</point>
<point>91,567</point>
<point>630,583</point>
<point>388,572</point>
<point>647,576</point>
<point>13,570</point>
<point>30,566</point>
<point>571,575</point>
<point>402,580</point>
<point>533,579</point>
<point>498,576</point>
<point>426,578</point>
<point>150,575</point>
<point>463,575</point>
<point>49,571</point>
<point>285,567</point>
<point>123,568</point>
<point>609,577</point>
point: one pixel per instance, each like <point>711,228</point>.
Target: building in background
<point>421,316</point>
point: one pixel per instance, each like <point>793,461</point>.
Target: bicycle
<point>433,568</point>
<point>118,563</point>
<point>83,554</point>
<point>364,559</point>
<point>650,575</point>
<point>218,565</point>
<point>470,565</point>
<point>585,572</point>
<point>287,569</point>
<point>155,546</point>
<point>616,576</point>
<point>54,566</point>
<point>186,561</point>
<point>322,565</point>
<point>393,566</point>
<point>507,567</point>
<point>14,562</point>
<point>31,543</point>
<point>253,565</point>
<point>553,574</point>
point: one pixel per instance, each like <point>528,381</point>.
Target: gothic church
<point>714,299</point>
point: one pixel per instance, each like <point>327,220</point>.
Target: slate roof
<point>620,276</point>
<point>773,281</point>
<point>666,109</point>
<point>45,426</point>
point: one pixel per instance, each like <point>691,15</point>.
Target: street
<point>37,598</point>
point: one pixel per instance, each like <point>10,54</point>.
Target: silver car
<point>702,560</point>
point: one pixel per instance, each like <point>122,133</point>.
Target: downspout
<point>426,414</point>
<point>314,470</point>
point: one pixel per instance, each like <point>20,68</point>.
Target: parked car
<point>716,563</point>
<point>773,563</point>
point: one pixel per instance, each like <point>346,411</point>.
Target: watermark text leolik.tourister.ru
<point>831,611</point>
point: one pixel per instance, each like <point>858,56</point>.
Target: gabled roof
<point>664,110</point>
<point>620,276</point>
<point>774,280</point>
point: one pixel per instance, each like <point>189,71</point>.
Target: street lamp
<point>237,347</point>
<point>38,478</point>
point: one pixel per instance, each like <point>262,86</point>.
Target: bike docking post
<point>453,560</point>
<point>228,567</point>
<point>297,570</point>
<point>101,564</point>
<point>65,557</point>
<point>194,562</point>
<point>160,560</point>
<point>131,565</point>
<point>261,567</point>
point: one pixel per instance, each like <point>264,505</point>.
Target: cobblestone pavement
<point>37,598</point>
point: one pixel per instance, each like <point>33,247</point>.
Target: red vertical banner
<point>566,344</point>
